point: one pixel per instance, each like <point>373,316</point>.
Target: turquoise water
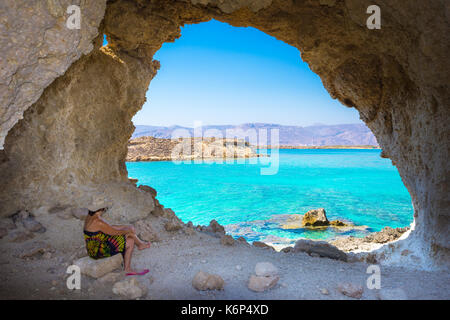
<point>353,185</point>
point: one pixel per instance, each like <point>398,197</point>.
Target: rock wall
<point>396,77</point>
<point>71,145</point>
<point>36,48</point>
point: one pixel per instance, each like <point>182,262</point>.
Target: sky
<point>219,74</point>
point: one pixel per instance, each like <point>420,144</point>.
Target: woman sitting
<point>104,240</point>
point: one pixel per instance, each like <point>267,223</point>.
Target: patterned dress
<point>101,245</point>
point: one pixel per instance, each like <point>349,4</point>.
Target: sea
<point>355,186</point>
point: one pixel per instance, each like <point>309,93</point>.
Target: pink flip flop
<point>145,271</point>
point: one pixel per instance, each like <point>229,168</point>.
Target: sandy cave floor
<point>175,260</point>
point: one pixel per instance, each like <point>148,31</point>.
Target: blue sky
<point>219,74</point>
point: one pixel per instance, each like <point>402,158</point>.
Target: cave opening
<point>258,83</point>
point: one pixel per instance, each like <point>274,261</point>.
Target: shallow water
<point>352,185</point>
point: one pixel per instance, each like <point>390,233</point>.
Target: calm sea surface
<point>352,185</point>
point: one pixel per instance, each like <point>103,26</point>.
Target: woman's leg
<point>128,253</point>
<point>139,243</point>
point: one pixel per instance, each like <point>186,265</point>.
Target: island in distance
<point>290,136</point>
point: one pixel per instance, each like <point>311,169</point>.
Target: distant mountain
<point>315,135</point>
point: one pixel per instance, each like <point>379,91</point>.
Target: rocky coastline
<point>159,149</point>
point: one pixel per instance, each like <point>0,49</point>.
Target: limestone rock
<point>149,190</point>
<point>20,235</point>
<point>173,225</point>
<point>36,250</point>
<point>80,213</point>
<point>266,269</point>
<point>242,240</point>
<point>204,281</point>
<point>351,290</point>
<point>227,240</point>
<point>260,284</point>
<point>263,245</point>
<point>320,248</point>
<point>130,288</point>
<point>3,232</point>
<point>315,218</point>
<point>398,95</point>
<point>111,277</point>
<point>98,268</point>
<point>145,231</point>
<point>32,225</point>
<point>215,227</point>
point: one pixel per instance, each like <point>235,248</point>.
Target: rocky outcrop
<point>386,235</point>
<point>72,143</point>
<point>157,149</point>
<point>315,218</point>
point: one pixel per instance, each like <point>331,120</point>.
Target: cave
<point>67,101</point>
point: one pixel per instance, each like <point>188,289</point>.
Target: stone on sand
<point>260,284</point>
<point>266,269</point>
<point>205,281</point>
<point>130,288</point>
<point>351,290</point>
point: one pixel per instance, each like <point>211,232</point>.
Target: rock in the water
<point>227,240</point>
<point>145,231</point>
<point>260,284</point>
<point>130,288</point>
<point>266,269</point>
<point>148,189</point>
<point>98,268</point>
<point>321,248</point>
<point>260,244</point>
<point>315,218</point>
<point>205,281</point>
<point>351,290</point>
<point>392,294</point>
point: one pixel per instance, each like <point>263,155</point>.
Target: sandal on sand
<point>137,273</point>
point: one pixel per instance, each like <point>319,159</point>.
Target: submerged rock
<point>205,281</point>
